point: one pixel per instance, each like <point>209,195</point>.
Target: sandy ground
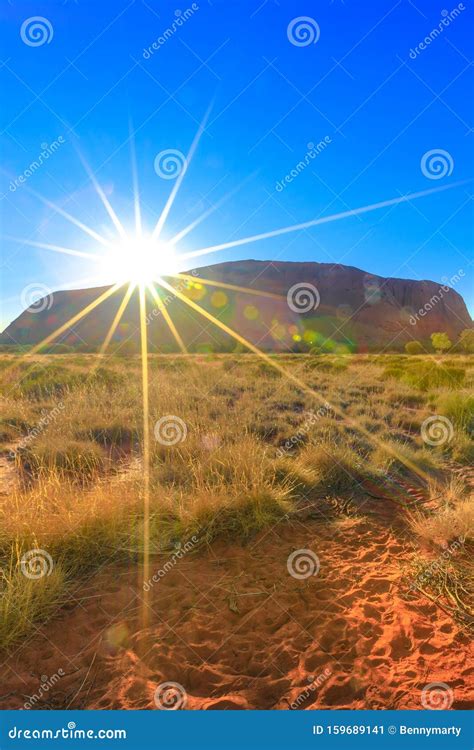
<point>232,627</point>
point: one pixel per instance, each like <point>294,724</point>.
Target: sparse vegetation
<point>256,449</point>
<point>413,347</point>
<point>441,342</point>
<point>466,341</point>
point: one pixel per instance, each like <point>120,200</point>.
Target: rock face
<point>309,305</point>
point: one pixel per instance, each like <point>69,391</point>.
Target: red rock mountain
<point>315,304</point>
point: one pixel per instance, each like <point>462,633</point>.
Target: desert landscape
<point>305,540</point>
<point>236,373</point>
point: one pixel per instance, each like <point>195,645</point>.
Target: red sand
<point>233,628</point>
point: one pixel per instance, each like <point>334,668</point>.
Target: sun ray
<point>55,248</point>
<point>105,201</point>
<point>166,315</point>
<point>224,285</point>
<point>116,320</point>
<point>81,283</point>
<point>136,192</point>
<point>318,221</point>
<point>164,214</point>
<point>178,237</point>
<point>75,319</point>
<point>91,232</point>
<point>299,383</point>
<point>146,450</point>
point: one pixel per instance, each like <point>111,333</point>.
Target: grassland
<point>251,449</point>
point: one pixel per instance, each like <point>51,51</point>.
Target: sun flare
<point>140,259</point>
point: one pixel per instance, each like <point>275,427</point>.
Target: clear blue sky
<point>380,109</point>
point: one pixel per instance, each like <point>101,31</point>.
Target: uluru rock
<point>312,304</point>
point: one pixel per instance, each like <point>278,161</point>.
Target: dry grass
<point>256,447</point>
<point>452,519</point>
<point>445,571</point>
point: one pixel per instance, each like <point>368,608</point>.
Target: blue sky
<point>380,109</point>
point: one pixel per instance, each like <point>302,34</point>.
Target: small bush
<point>334,469</point>
<point>47,382</point>
<point>462,449</point>
<point>413,347</point>
<point>459,409</point>
<point>441,342</point>
<point>24,600</point>
<point>79,460</point>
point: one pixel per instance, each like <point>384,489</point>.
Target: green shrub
<point>44,382</point>
<point>459,408</point>
<point>426,375</point>
<point>413,347</point>
<point>441,341</point>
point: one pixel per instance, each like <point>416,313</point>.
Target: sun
<point>140,260</point>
